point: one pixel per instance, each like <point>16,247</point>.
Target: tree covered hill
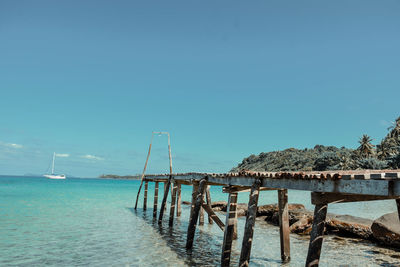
<point>320,158</point>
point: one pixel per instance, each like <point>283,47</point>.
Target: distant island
<point>385,155</point>
<point>113,176</point>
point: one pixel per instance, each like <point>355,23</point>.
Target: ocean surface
<point>91,222</point>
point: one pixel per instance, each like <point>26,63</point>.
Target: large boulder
<point>270,209</point>
<point>219,205</point>
<point>346,225</point>
<point>386,229</point>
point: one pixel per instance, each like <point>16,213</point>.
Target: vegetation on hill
<point>385,155</point>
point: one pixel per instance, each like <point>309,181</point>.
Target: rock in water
<point>346,225</point>
<point>386,229</point>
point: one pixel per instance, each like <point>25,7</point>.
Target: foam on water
<point>80,222</point>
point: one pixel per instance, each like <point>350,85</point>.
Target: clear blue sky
<point>93,79</point>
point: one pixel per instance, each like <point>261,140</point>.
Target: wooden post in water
<point>155,200</point>
<point>284,230</point>
<point>398,207</point>
<point>146,189</point>
<point>201,215</point>
<point>173,201</point>
<point>317,235</point>
<point>144,170</point>
<point>164,201</point>
<point>194,194</point>
<point>229,228</point>
<point>250,222</point>
<point>195,214</point>
<point>179,202</point>
<point>208,198</point>
<point>165,189</point>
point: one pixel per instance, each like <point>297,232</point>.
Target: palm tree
<point>366,149</point>
<point>386,148</point>
<point>395,129</point>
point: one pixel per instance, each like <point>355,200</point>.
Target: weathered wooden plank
<point>208,198</point>
<point>214,217</point>
<point>179,201</point>
<point>317,235</point>
<point>250,222</point>
<point>231,218</point>
<point>362,187</point>
<point>325,198</point>
<point>146,189</point>
<point>353,186</point>
<point>155,200</point>
<point>195,214</point>
<point>164,201</point>
<point>173,203</point>
<point>284,230</point>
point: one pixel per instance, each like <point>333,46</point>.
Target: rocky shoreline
<point>384,231</point>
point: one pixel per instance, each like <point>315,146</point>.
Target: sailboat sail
<point>53,175</point>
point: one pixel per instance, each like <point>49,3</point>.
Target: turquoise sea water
<point>90,222</point>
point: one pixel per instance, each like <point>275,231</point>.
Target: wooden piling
<point>230,222</point>
<point>201,215</point>
<point>164,201</point>
<point>208,198</point>
<point>317,235</point>
<point>173,201</point>
<point>165,189</point>
<point>194,194</point>
<point>398,207</point>
<point>146,189</point>
<point>284,230</point>
<point>155,200</point>
<point>179,201</point>
<point>250,222</point>
<point>195,214</point>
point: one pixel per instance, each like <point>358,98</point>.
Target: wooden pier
<point>325,187</point>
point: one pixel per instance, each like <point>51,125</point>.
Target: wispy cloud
<point>91,157</point>
<point>62,155</point>
<point>11,145</point>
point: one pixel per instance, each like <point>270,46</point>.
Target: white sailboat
<point>52,175</point>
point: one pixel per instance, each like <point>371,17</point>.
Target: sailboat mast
<point>52,167</point>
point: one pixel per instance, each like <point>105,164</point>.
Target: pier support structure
<point>230,225</point>
<point>284,230</point>
<point>195,213</point>
<point>155,200</point>
<point>250,222</point>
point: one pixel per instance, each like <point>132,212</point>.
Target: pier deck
<point>325,187</point>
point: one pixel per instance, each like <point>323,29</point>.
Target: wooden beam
<point>146,189</point>
<point>380,187</point>
<point>242,189</point>
<point>195,214</point>
<point>229,229</point>
<point>173,203</point>
<point>250,222</point>
<point>317,235</point>
<point>213,216</point>
<point>284,230</point>
<point>155,200</point>
<point>208,198</point>
<point>164,201</point>
<point>179,201</point>
<point>325,198</point>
